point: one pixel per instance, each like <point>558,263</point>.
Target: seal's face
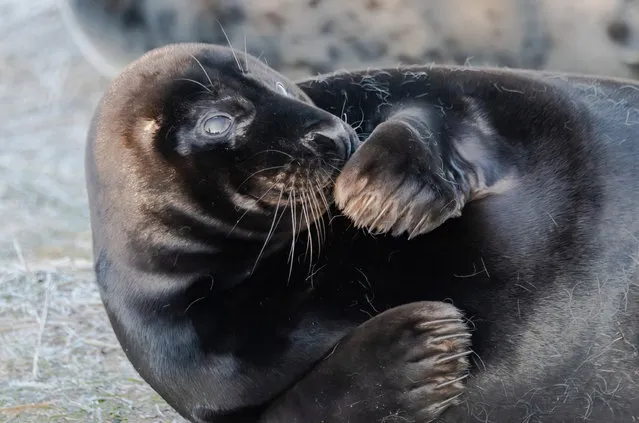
<point>242,135</point>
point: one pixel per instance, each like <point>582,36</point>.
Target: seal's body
<point>204,170</point>
<point>510,194</point>
<point>543,172</point>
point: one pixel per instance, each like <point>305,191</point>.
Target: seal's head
<point>206,131</point>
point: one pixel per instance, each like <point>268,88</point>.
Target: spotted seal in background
<point>303,38</point>
<point>209,177</point>
<point>112,33</point>
<point>300,38</point>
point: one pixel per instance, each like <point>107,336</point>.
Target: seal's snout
<point>336,137</point>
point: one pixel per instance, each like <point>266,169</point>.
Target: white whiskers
<point>195,82</point>
<point>239,66</point>
<point>203,70</point>
<point>258,172</point>
<point>271,230</point>
<point>313,204</point>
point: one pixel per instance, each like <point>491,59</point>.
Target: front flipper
<point>407,364</point>
<point>416,170</point>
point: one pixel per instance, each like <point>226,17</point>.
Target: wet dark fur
<point>545,262</point>
<point>201,292</point>
<point>545,268</point>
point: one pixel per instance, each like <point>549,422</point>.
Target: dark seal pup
<point>205,170</point>
<point>524,187</point>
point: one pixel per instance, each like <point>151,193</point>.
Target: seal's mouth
<point>292,188</point>
<point>300,181</point>
<point>294,182</point>
<point>298,198</point>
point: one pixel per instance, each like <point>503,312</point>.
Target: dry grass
<point>59,359</point>
<point>58,354</point>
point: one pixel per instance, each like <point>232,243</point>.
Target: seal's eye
<point>281,88</point>
<point>217,125</point>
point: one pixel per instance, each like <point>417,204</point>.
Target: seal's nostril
<point>312,124</point>
<point>332,139</point>
<point>326,139</point>
<point>618,31</point>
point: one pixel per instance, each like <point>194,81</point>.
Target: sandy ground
<point>59,360</point>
